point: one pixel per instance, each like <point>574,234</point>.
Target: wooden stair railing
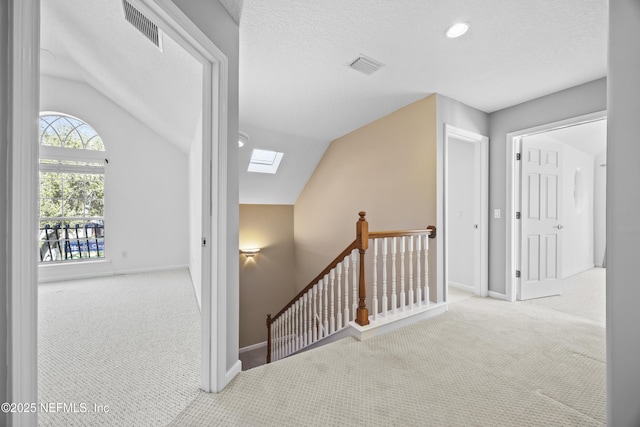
<point>302,321</point>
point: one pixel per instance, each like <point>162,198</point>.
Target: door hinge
<point>517,215</point>
<point>517,273</point>
<point>518,156</point>
<point>204,242</point>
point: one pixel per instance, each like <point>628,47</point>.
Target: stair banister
<point>317,327</point>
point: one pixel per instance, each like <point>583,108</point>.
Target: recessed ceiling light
<point>456,30</point>
<point>243,138</point>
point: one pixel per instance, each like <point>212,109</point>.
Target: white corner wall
<point>623,215</point>
<point>5,208</point>
<point>146,202</point>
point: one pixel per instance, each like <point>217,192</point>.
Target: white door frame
<point>25,93</point>
<point>514,185</point>
<point>168,17</point>
<point>483,144</point>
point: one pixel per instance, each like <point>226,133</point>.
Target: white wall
<point>574,102</point>
<point>461,215</point>
<point>146,182</point>
<point>4,206</point>
<point>623,215</point>
<point>577,211</point>
<point>216,23</point>
<point>195,212</point>
<point>599,208</point>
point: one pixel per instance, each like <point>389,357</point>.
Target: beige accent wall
<point>386,168</point>
<point>267,280</point>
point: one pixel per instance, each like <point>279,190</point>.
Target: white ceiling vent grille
<point>142,23</point>
<point>365,65</point>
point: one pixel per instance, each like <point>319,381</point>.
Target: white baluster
<point>315,313</point>
<point>332,320</point>
<point>385,298</point>
<point>282,354</point>
<point>346,290</point>
<point>293,328</point>
<point>332,275</point>
<point>394,297</point>
<point>403,298</point>
<point>418,262</point>
<point>354,284</point>
<point>374,301</point>
<point>274,339</point>
<point>287,335</point>
<point>411,272</point>
<point>277,325</point>
<point>426,270</point>
<point>305,342</point>
<point>310,314</point>
<point>321,330</point>
<point>325,323</point>
<point>291,334</point>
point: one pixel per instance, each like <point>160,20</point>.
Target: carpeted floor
<point>129,342</point>
<point>132,343</point>
<point>484,363</point>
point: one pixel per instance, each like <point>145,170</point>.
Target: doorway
<point>558,198</point>
<point>24,40</point>
<point>465,213</point>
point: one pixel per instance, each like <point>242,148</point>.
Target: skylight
<point>264,161</point>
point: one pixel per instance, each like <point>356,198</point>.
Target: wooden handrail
<point>400,233</point>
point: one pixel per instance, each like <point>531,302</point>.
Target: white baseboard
<point>253,347</point>
<point>235,370</point>
<point>575,271</point>
<point>60,272</point>
<point>497,295</point>
<point>463,287</point>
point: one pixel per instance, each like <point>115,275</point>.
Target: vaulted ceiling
<point>295,84</point>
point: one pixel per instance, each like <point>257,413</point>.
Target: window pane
<point>71,192</point>
<point>50,208</point>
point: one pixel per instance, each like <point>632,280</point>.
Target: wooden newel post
<point>362,238</point>
<point>269,338</point>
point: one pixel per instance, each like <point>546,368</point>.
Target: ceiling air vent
<point>365,65</point>
<point>142,23</point>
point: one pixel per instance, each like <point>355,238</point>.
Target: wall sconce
<point>250,253</point>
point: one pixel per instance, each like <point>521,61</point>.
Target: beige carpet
<point>130,342</point>
<point>484,363</point>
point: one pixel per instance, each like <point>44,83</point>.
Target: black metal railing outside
<point>62,241</point>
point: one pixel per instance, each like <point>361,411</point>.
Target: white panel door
<point>541,231</point>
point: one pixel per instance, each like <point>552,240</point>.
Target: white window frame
<point>72,154</point>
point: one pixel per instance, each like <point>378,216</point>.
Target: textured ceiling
<point>293,55</point>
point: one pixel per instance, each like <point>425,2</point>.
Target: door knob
<point>559,226</point>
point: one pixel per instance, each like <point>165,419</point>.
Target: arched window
<point>72,166</point>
